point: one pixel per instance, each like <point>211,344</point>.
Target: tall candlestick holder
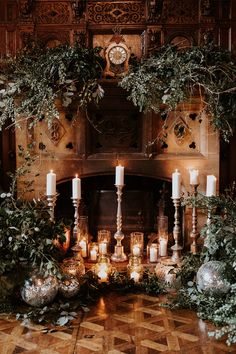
<point>119,255</point>
<point>51,199</point>
<point>76,202</point>
<point>209,219</point>
<point>176,255</point>
<point>194,234</point>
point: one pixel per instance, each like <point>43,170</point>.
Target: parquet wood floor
<point>131,324</point>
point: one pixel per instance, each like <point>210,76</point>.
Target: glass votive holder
<point>162,225</point>
<point>93,251</point>
<point>103,269</point>
<point>135,269</point>
<point>104,237</point>
<point>73,267</point>
<point>153,252</point>
<point>136,243</point>
<point>83,235</point>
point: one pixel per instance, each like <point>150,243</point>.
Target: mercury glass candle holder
<point>136,243</point>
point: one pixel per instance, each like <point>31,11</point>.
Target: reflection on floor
<point>117,324</point>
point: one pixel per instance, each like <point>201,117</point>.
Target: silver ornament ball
<point>211,278</point>
<point>69,287</point>
<point>39,290</point>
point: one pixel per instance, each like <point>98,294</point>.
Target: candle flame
<point>51,171</point>
<point>76,176</point>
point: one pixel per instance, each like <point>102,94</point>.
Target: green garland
<point>172,76</point>
<point>31,83</point>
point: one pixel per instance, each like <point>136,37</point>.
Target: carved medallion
<point>56,131</point>
<point>180,11</point>
<point>118,12</point>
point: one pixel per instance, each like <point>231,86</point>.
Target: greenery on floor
<point>216,300</point>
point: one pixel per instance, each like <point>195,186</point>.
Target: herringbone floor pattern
<point>131,324</point>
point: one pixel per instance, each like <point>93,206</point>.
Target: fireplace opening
<point>143,199</point>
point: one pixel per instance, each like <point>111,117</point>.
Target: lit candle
<point>135,276</point>
<point>76,188</point>
<point>83,245</point>
<point>211,186</point>
<point>163,247</point>
<point>194,176</point>
<point>102,248</point>
<point>119,176</point>
<point>51,183</point>
<point>136,250</point>
<point>176,184</point>
<point>102,274</point>
<point>93,255</point>
<point>153,253</point>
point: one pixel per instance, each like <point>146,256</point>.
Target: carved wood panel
<point>52,12</point>
<point>124,12</point>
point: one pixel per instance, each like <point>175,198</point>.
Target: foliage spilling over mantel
<point>172,76</point>
<point>31,83</point>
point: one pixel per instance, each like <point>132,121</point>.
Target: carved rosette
<point>118,12</point>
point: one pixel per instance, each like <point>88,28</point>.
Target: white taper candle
<point>51,183</point>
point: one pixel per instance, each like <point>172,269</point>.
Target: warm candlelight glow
<point>136,250</point>
<point>163,247</point>
<point>153,253</point>
<point>102,248</point>
<point>103,276</point>
<point>93,255</point>
<point>135,276</point>
<point>83,245</point>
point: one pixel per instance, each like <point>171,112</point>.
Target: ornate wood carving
<point>128,12</point>
<point>155,8</point>
<point>56,132</point>
<point>26,8</point>
<point>52,12</point>
<point>180,12</point>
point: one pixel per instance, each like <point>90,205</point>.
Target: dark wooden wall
<point>156,22</point>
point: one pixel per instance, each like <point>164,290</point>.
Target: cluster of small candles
<point>98,252</point>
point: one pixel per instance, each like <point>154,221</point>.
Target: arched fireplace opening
<point>143,199</point>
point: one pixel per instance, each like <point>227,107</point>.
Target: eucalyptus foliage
<point>31,83</point>
<point>219,244</point>
<point>171,76</point>
<point>26,234</point>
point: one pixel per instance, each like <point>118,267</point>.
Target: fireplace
<point>80,148</point>
<point>143,199</point>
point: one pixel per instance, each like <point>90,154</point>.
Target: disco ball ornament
<point>39,290</point>
<point>211,278</point>
<point>69,287</point>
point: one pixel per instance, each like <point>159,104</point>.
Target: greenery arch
<point>31,82</point>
